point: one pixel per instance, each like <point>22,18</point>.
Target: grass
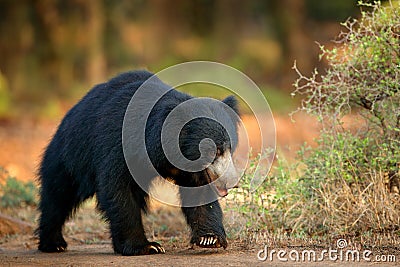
<point>14,193</point>
<point>286,209</point>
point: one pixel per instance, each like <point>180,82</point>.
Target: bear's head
<point>207,140</point>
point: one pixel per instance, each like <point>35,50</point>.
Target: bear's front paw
<point>150,248</point>
<point>211,241</point>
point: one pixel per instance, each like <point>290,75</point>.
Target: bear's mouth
<point>220,190</point>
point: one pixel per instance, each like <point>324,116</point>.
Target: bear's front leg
<point>122,210</point>
<point>206,224</point>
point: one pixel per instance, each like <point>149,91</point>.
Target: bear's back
<point>94,125</point>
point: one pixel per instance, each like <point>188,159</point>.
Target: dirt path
<point>102,255</point>
<point>89,245</point>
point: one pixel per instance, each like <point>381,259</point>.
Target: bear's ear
<point>232,102</point>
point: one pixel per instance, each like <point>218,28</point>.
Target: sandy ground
<point>102,255</point>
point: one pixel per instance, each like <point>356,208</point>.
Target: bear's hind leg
<point>123,211</point>
<point>58,199</point>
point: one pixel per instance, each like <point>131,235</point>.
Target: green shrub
<point>354,169</point>
<point>363,82</point>
<point>349,182</point>
<point>14,193</point>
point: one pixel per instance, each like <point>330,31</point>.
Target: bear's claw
<point>155,248</point>
<point>209,241</point>
<point>58,246</point>
<point>150,248</point>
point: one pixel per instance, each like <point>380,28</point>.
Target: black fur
<point>85,157</point>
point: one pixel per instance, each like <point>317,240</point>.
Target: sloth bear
<point>85,157</point>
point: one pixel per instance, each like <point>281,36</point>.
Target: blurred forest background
<point>344,180</point>
<point>53,51</point>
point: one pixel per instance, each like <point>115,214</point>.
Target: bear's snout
<point>223,174</point>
